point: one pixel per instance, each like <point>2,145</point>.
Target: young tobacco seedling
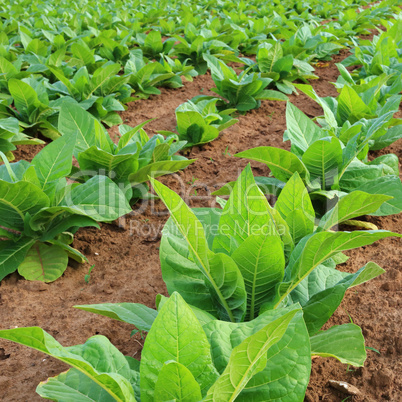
<point>243,92</point>
<point>199,121</point>
<point>176,361</point>
<point>40,211</point>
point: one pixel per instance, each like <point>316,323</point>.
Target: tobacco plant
<point>242,265</point>
<point>282,69</point>
<point>40,211</point>
<point>243,92</point>
<point>328,167</point>
<point>177,362</point>
<point>129,162</point>
<point>199,121</point>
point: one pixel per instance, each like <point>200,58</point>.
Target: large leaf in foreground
<point>221,274</point>
<point>73,385</point>
<point>176,383</point>
<point>176,335</point>
<point>98,359</point>
<point>100,198</point>
<point>344,342</point>
<point>17,199</point>
<point>248,359</point>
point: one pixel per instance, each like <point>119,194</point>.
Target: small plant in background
<point>128,163</point>
<point>199,121</point>
<point>243,92</point>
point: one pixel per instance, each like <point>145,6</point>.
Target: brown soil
<point>127,266</point>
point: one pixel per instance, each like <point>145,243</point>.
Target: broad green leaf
<point>350,106</point>
<point>246,212</point>
<point>133,313</point>
<point>99,198</point>
<point>43,263</point>
<point>248,359</point>
<point>25,97</point>
<point>54,162</point>
<point>176,383</point>
<point>287,372</point>
<point>158,169</point>
<point>301,130</point>
<point>89,132</point>
<point>295,207</point>
<point>12,254</point>
<point>323,159</point>
<point>388,185</point>
<point>179,271</point>
<point>344,342</point>
<point>322,304</point>
<point>17,199</point>
<point>176,335</point>
<point>73,385</point>
<point>356,203</point>
<point>98,359</point>
<point>221,274</point>
<point>282,163</point>
<point>228,283</point>
<point>261,261</point>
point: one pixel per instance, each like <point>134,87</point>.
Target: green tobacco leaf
<point>25,97</point>
<point>17,199</point>
<point>89,132</point>
<point>261,262</point>
<point>180,272</point>
<point>282,163</point>
<point>99,198</point>
<point>350,106</point>
<point>248,359</point>
<point>221,274</point>
<point>157,169</point>
<point>295,207</point>
<point>323,159</point>
<point>43,263</point>
<point>328,113</point>
<point>227,278</point>
<point>12,254</point>
<point>356,203</point>
<point>95,159</point>
<point>176,383</point>
<point>287,372</point>
<point>133,313</point>
<point>54,162</point>
<point>176,335</point>
<point>301,130</point>
<point>98,359</point>
<point>322,304</point>
<point>344,342</point>
<point>319,247</point>
<point>246,212</point>
<point>74,386</point>
<point>388,185</point>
